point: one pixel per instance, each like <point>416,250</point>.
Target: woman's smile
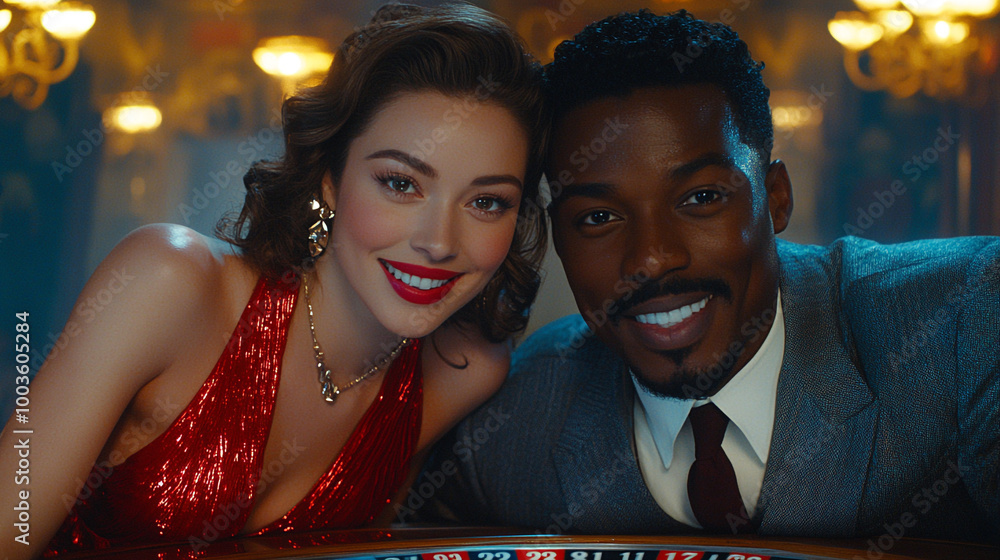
<point>419,284</point>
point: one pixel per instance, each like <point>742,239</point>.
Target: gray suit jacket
<point>887,419</point>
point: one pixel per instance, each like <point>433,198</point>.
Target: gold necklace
<point>329,389</point>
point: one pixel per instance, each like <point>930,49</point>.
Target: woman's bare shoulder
<point>178,259</point>
<point>167,280</point>
<point>172,251</point>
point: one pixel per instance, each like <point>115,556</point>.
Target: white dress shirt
<point>665,443</point>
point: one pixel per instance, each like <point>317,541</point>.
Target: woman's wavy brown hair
<point>457,50</point>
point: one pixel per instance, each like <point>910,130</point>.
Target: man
<point>854,388</point>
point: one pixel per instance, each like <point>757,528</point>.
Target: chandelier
<point>42,48</point>
<point>915,45</point>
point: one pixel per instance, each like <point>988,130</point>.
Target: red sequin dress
<point>196,482</point>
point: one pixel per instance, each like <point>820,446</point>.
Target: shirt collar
<point>748,399</point>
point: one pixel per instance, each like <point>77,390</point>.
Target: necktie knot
<point>708,425</point>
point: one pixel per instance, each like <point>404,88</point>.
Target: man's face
<point>665,220</point>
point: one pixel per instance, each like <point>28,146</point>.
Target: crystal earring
<point>319,232</point>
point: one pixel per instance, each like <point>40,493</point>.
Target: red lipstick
<point>416,295</point>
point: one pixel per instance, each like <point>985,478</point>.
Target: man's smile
<point>666,324</point>
<point>666,319</point>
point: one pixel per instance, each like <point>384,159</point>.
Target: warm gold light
<point>793,109</point>
<point>795,116</point>
<point>926,8</point>
<point>293,56</point>
<point>872,5</point>
<point>854,31</point>
<point>943,32</point>
<point>33,4</point>
<point>5,16</point>
<point>289,64</point>
<point>69,21</point>
<point>133,118</point>
<point>976,8</point>
<point>894,22</point>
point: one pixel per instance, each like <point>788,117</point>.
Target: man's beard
<point>686,382</point>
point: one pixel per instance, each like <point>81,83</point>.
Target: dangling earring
<point>319,232</point>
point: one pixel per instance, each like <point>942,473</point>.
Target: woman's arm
<point>131,319</point>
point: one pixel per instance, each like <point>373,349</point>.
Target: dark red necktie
<point>712,488</point>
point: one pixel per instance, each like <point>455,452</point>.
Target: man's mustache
<point>671,286</point>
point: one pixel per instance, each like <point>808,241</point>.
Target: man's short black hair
<point>622,53</point>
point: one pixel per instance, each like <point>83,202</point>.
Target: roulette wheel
<point>481,543</point>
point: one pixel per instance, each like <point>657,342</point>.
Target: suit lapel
<point>595,461</point>
<point>825,415</point>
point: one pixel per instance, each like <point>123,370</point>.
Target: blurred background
<point>116,114</point>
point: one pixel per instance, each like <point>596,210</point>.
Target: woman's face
<point>427,206</point>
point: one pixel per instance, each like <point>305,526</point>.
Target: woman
<point>390,253</point>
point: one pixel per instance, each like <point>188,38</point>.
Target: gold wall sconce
<point>133,114</point>
<point>293,58</point>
